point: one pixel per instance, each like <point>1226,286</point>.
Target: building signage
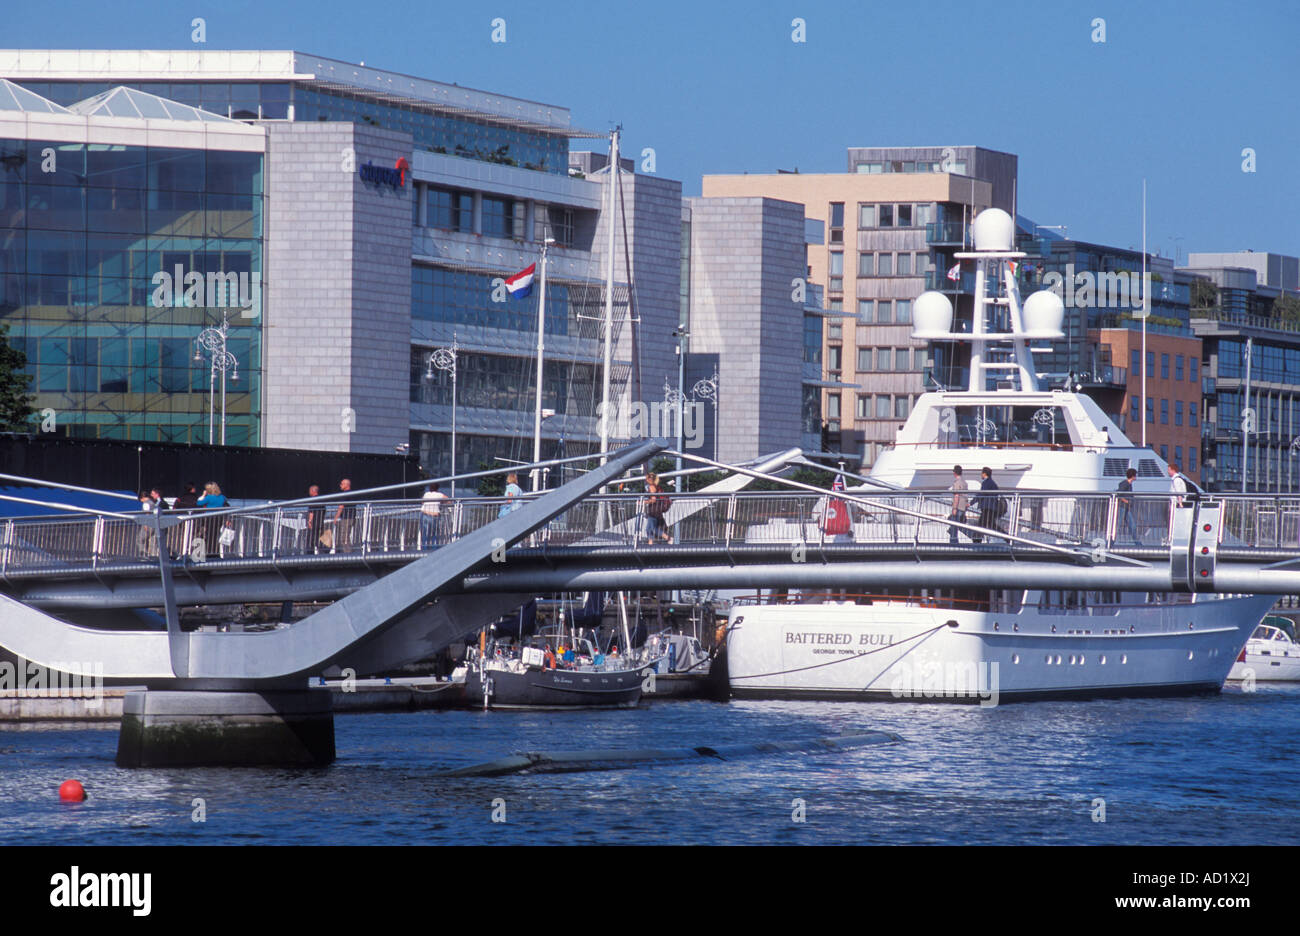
<point>395,177</point>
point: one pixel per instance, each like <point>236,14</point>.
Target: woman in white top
<point>431,515</point>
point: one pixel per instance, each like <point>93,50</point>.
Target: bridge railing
<point>397,528</point>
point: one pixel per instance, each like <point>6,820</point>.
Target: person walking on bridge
<point>960,502</point>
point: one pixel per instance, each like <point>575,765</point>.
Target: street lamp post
<point>707,389</point>
<point>444,359</point>
<point>213,340</point>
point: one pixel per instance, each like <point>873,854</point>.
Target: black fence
<point>242,473</point>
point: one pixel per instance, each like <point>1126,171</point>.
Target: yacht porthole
<point>1103,659</point>
<point>1048,661</point>
<point>1123,658</point>
<point>1058,659</point>
<point>1015,658</point>
<point>1081,660</point>
<point>1190,654</point>
<point>1071,659</point>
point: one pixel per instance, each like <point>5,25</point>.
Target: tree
<point>1287,308</point>
<point>1204,296</point>
<point>16,407</point>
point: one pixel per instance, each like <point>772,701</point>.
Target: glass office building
<point>94,218</point>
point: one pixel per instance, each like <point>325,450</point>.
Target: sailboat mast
<point>541,347</point>
<point>609,297</point>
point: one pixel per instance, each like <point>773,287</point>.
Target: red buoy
<point>72,791</point>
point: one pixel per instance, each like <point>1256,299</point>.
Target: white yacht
<point>1048,449</point>
<point>1271,655</point>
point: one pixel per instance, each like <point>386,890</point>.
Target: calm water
<point>1204,770</point>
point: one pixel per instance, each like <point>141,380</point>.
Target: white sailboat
<point>985,645</point>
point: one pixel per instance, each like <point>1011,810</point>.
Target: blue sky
<point>1174,95</point>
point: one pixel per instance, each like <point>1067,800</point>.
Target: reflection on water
<point>1170,771</point>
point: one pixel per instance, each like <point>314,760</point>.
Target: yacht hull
<point>554,689</point>
<point>906,652</point>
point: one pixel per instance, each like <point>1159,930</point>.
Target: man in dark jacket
<point>990,504</point>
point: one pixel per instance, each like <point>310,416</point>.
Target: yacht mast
<point>541,347</point>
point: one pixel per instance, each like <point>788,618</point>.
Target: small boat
<point>680,668</point>
<point>547,673</point>
<point>1271,654</point>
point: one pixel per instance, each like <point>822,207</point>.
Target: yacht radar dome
<point>1044,313</point>
<point>931,315</point>
<point>993,229</point>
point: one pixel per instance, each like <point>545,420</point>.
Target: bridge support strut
<point>162,728</point>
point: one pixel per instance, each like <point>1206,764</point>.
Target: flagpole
<point>1146,310</point>
<point>541,347</point>
<point>609,296</point>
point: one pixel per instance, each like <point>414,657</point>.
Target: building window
<point>885,265</point>
<point>885,359</point>
<point>866,360</point>
<point>1191,412</point>
<point>866,310</point>
<point>836,279</point>
<point>1178,455</point>
<point>1178,412</point>
<point>835,332</point>
<point>904,215</point>
<point>924,215</point>
<point>903,311</point>
<point>884,311</point>
<point>1164,453</point>
<point>1178,367</point>
<point>866,216</point>
<point>837,222</point>
<point>1133,410</point>
<point>449,209</point>
<point>503,217</point>
<point>870,168</point>
<point>1135,363</point>
<point>1164,367</point>
<point>1151,410</point>
<point>864,406</point>
<point>904,265</point>
<point>1151,363</point>
<point>886,215</point>
<point>1194,364</point>
<point>834,358</point>
<point>1191,458</point>
<point>882,406</point>
<point>833,406</point>
<point>866,264</point>
<point>901,407</point>
<point>554,221</point>
<point>1164,412</point>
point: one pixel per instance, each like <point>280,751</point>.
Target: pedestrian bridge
<point>385,562</point>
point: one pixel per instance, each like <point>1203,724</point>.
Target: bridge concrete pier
<point>198,728</point>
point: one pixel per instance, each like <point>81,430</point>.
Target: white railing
<point>399,528</point>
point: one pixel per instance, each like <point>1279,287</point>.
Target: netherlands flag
<point>521,284</point>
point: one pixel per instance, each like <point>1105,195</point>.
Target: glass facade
<point>497,382</point>
<point>92,238</point>
<point>240,100</point>
<point>440,133</point>
<point>460,297</point>
<point>269,100</point>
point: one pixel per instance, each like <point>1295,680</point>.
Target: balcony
<point>945,232</point>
